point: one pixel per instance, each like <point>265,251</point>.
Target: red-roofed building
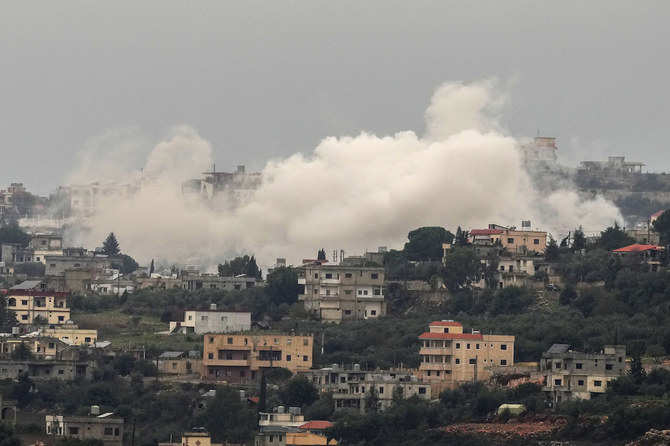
<point>450,357</point>
<point>637,253</point>
<point>513,240</point>
<point>316,426</point>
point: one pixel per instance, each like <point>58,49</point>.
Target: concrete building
<point>45,245</point>
<point>211,321</point>
<point>569,374</point>
<point>179,363</point>
<point>350,387</point>
<point>70,334</point>
<point>336,293</point>
<point>450,357</point>
<point>191,282</point>
<point>614,164</point>
<point>31,299</point>
<point>281,418</point>
<point>197,437</point>
<point>77,259</point>
<point>238,358</point>
<point>41,347</point>
<point>510,238</point>
<point>46,369</point>
<point>651,255</point>
<point>540,154</point>
<point>101,427</point>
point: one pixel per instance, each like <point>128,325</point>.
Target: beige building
<point>194,438</point>
<point>71,334</point>
<point>239,357</point>
<point>30,300</point>
<point>179,363</point>
<point>40,347</point>
<point>510,239</point>
<point>450,357</point>
<point>568,374</point>
<point>102,427</point>
<point>338,292</point>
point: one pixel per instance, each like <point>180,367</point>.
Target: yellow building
<point>30,300</point>
<point>71,334</point>
<point>450,357</point>
<point>40,347</point>
<point>239,357</point>
<point>194,438</point>
<point>511,239</point>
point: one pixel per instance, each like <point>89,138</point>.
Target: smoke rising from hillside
<point>352,193</point>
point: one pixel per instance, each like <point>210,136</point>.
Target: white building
<point>211,321</point>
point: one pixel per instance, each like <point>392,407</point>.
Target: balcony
<point>228,362</point>
<point>435,366</point>
<point>432,351</point>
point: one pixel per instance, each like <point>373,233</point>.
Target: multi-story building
<point>44,245</point>
<point>450,357</point>
<point>350,387</point>
<point>75,258</point>
<point>40,347</point>
<point>211,321</point>
<point>338,292</point>
<point>540,154</point>
<point>510,239</point>
<point>44,369</point>
<point>568,374</point>
<point>172,363</point>
<point>240,357</point>
<point>197,437</point>
<point>192,282</point>
<point>101,427</point>
<point>651,255</point>
<point>31,300</point>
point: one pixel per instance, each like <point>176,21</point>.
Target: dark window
<point>211,340</point>
<point>458,361</point>
<point>557,382</point>
<point>422,390</point>
<point>109,431</point>
<point>116,431</point>
<point>347,275</point>
<point>305,358</point>
<point>473,361</point>
<point>503,346</point>
<point>329,275</point>
<point>597,383</point>
<point>467,346</point>
<point>210,355</point>
<point>373,312</point>
<point>510,240</point>
<point>536,241</point>
<point>288,357</point>
<point>381,390</point>
<point>230,340</point>
<point>74,431</point>
<point>503,362</point>
<point>580,382</point>
<point>578,365</point>
<point>458,345</point>
<point>374,275</point>
<point>608,366</point>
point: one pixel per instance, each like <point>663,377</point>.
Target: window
<point>510,240</point>
<point>77,265</point>
<point>536,241</point>
<point>211,340</point>
<point>74,431</point>
<point>61,372</point>
<point>373,312</point>
<point>467,346</point>
<point>347,311</point>
<point>229,356</point>
<point>503,362</point>
<point>578,365</point>
<point>347,292</point>
<point>203,318</point>
<point>422,390</point>
<point>458,361</point>
<point>288,357</point>
<point>374,276</point>
<point>305,342</point>
<point>52,265</point>
<point>86,339</point>
<point>580,382</point>
<point>348,275</point>
<point>210,355</point>
<point>458,345</point>
<point>557,365</point>
<point>116,431</point>
<point>230,340</point>
<point>381,390</point>
<point>24,302</point>
<point>61,318</point>
<point>557,382</point>
<point>109,431</point>
<point>503,346</point>
<point>24,317</point>
<point>51,344</point>
<point>502,267</point>
<point>608,366</point>
<point>329,275</point>
<point>316,275</point>
<point>476,346</point>
<point>305,358</point>
<point>597,383</point>
<point>472,361</point>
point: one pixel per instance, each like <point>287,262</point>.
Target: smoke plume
<point>352,193</point>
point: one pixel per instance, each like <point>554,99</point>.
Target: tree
<point>298,392</point>
<point>22,352</point>
<point>321,255</point>
<point>578,239</point>
<point>227,418</point>
<point>263,395</point>
<point>461,268</point>
<point>613,238</point>
<point>128,264</point>
<point>282,285</point>
<point>426,243</point>
<point>13,234</point>
<point>21,389</point>
<point>151,268</point>
<point>551,252</point>
<point>662,226</point>
<point>371,402</point>
<point>110,246</point>
<point>656,352</point>
<point>240,265</point>
<point>461,238</point>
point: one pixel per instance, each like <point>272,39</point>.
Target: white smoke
<point>352,193</point>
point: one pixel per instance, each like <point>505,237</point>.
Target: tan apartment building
<point>40,347</point>
<point>568,374</point>
<point>239,358</point>
<point>510,238</point>
<point>450,357</point>
<point>338,292</point>
<point>30,300</point>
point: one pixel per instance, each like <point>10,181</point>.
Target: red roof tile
<point>450,336</point>
<point>639,248</point>
<point>445,324</point>
<point>316,425</point>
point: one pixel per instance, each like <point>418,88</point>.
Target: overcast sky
<point>263,80</point>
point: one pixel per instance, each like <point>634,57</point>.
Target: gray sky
<point>261,80</point>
